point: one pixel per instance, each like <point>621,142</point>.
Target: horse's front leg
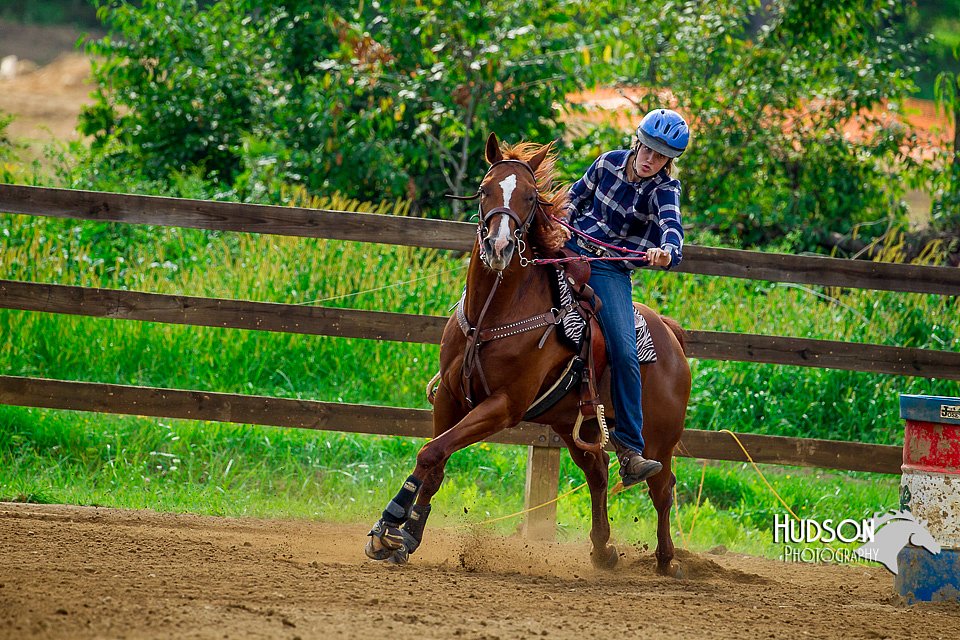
<point>399,531</point>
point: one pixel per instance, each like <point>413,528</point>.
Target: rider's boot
<point>634,467</point>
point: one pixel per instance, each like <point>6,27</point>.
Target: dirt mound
<point>68,72</point>
<point>74,572</point>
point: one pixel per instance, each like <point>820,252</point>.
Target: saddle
<point>570,284</point>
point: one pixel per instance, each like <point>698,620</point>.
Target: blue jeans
<point>612,284</point>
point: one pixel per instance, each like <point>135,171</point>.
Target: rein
<point>523,227</point>
<point>600,243</point>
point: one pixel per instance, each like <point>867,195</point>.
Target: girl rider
<point>628,199</point>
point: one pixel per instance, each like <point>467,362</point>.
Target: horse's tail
<point>677,331</point>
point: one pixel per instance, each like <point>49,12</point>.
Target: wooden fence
<point>544,457</point>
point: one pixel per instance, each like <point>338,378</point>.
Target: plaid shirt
<point>635,215</point>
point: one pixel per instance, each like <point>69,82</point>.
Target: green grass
<point>238,470</point>
<point>56,456</point>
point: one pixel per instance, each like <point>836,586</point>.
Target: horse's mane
<point>546,235</point>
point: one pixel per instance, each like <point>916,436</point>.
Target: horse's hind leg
<point>596,470</point>
<point>661,493</point>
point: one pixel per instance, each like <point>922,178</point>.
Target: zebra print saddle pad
<point>573,325</point>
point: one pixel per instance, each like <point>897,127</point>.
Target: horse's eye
<point>483,194</point>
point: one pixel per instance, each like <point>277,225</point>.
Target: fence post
<point>543,478</point>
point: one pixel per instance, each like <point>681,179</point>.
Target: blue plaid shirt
<point>635,215</point>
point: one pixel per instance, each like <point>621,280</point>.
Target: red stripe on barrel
<point>931,447</point>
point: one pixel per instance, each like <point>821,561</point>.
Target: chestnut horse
<point>518,221</point>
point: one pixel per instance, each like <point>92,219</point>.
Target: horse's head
<point>509,201</point>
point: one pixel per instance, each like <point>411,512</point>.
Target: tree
<point>386,101</point>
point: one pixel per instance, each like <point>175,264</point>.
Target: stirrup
<point>596,447</point>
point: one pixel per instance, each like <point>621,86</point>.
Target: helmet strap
<point>632,172</point>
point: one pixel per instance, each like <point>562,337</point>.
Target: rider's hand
<point>658,258</point>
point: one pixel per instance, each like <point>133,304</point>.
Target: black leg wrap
<point>398,509</point>
<point>412,529</point>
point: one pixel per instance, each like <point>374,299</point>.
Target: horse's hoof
<point>672,569</point>
<point>375,550</point>
<point>399,557</point>
<point>384,540</point>
<point>606,559</point>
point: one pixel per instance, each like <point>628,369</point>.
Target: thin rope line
<point>520,513</point>
<point>388,286</point>
<point>528,510</point>
<point>760,473</point>
<point>676,505</point>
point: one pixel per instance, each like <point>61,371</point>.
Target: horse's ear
<point>493,149</point>
<point>538,157</point>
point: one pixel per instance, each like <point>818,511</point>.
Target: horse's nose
<point>499,251</point>
<point>497,246</point>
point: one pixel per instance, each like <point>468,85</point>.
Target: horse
<point>892,532</point>
<point>518,219</point>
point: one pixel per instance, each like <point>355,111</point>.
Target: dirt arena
<point>81,572</point>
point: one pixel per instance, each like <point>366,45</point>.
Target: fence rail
<point>404,327</point>
<point>355,418</point>
<point>441,234</point>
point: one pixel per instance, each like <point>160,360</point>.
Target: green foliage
<point>6,144</point>
<point>740,396</point>
<point>11,169</point>
<point>937,23</point>
<point>377,100</point>
<point>243,470</point>
<point>179,87</point>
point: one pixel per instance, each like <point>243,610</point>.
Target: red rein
<point>636,254</point>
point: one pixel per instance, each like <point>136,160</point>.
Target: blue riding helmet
<point>665,132</point>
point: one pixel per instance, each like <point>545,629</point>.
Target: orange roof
<point>617,106</point>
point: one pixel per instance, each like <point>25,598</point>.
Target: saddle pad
<point>646,353</point>
<point>573,325</point>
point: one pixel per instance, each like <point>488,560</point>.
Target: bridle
<point>522,226</point>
